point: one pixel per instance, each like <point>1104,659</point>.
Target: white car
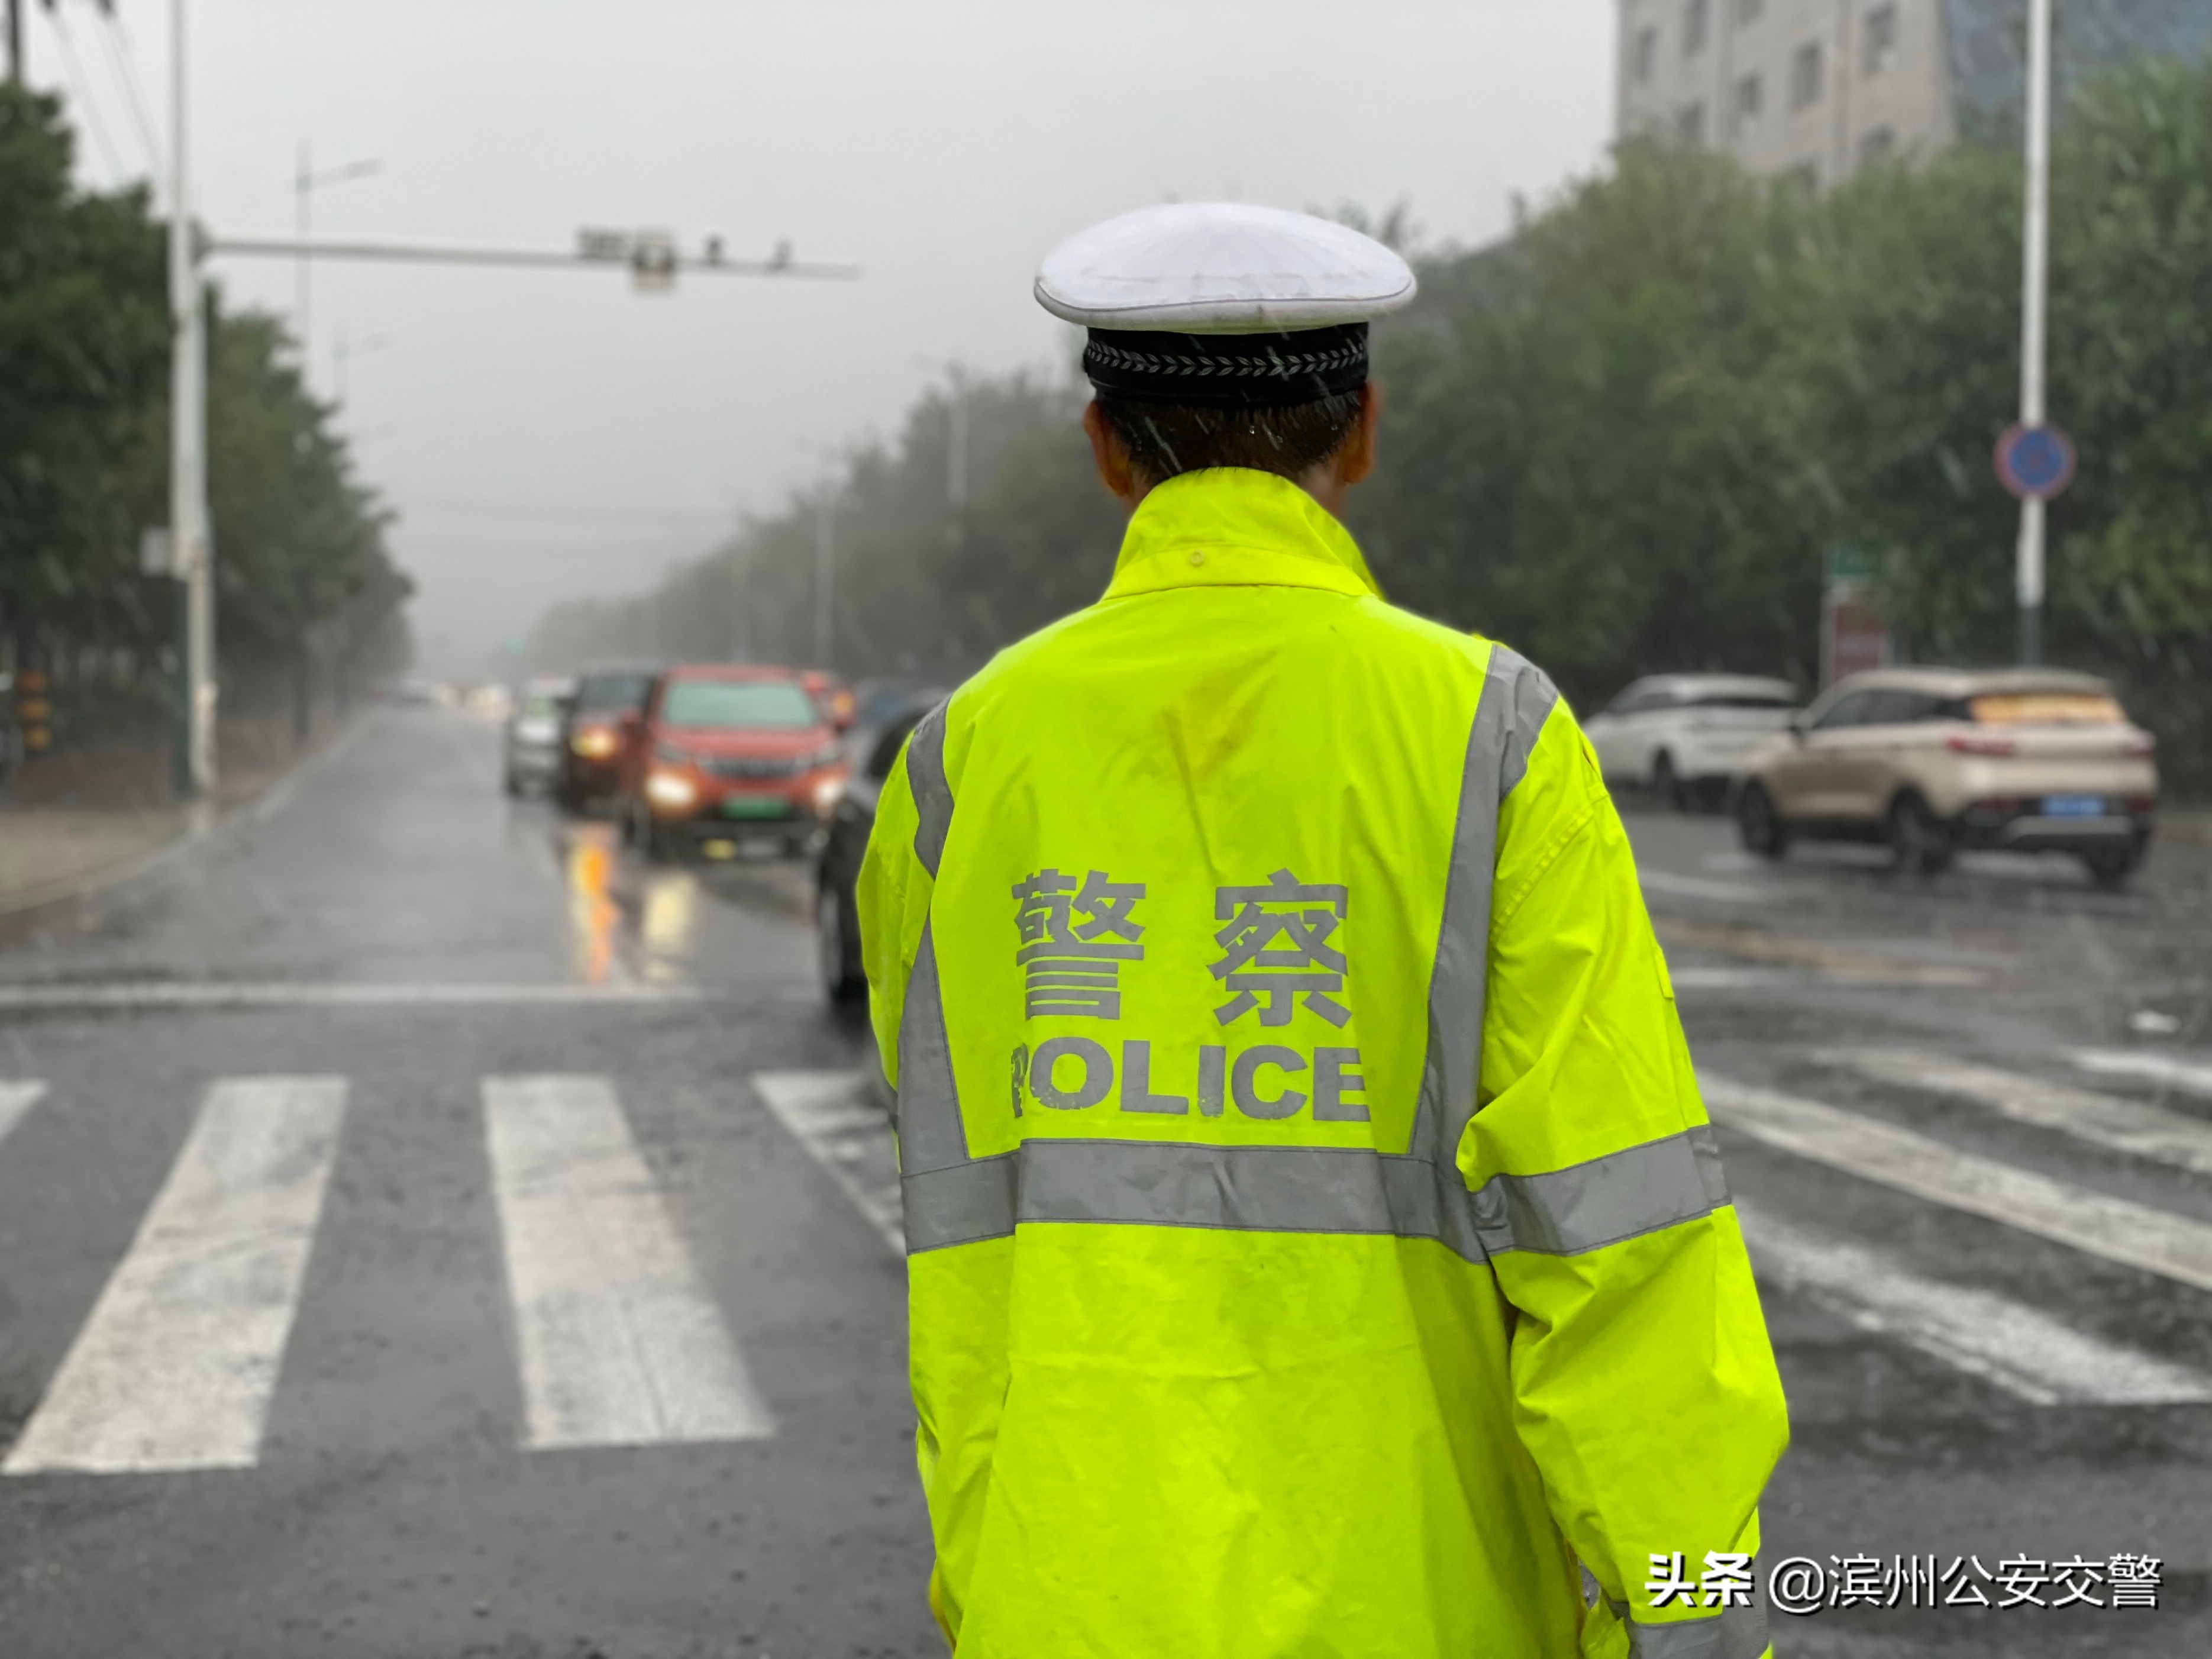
<point>1686,737</point>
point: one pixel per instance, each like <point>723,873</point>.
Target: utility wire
<point>123,62</point>
<point>81,94</point>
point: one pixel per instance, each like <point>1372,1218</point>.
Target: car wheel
<point>1665,785</point>
<point>1760,826</point>
<point>842,981</point>
<point>2110,866</point>
<point>1919,842</point>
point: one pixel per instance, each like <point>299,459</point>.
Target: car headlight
<point>826,794</point>
<point>670,789</point>
<point>593,742</point>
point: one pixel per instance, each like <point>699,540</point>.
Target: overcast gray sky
<point>545,434</point>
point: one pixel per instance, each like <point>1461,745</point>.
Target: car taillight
<point>1977,743</point>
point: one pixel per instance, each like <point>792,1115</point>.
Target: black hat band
<point>1234,371</point>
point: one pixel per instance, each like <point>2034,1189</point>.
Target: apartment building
<point>1821,89</point>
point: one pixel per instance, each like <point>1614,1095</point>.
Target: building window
<point>1805,176</point>
<point>1750,99</point>
<point>1690,126</point>
<point>1696,24</point>
<point>1805,76</point>
<point>1647,55</point>
<point>1877,147</point>
<point>1879,41</point>
<point>1750,11</point>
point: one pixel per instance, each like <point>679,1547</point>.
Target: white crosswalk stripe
<point>175,1368</point>
<point>2172,1246</point>
<point>847,1134</point>
<point>2123,1125</point>
<point>2191,1077</point>
<point>620,1343</point>
<point>16,1100</point>
<point>2019,1349</point>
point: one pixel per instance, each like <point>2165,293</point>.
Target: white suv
<point>1684,736</point>
<point>1935,760</point>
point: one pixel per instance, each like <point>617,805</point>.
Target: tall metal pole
<point>825,576</point>
<point>188,526</point>
<point>15,40</point>
<point>2034,288</point>
<point>303,186</point>
<point>955,481</point>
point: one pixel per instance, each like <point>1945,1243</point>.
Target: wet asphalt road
<point>631,1384</point>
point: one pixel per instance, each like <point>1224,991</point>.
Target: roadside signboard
<point>1854,615</point>
<point>2035,462</point>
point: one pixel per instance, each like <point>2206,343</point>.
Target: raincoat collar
<point>1234,526</point>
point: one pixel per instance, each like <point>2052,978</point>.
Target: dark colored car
<point>600,728</point>
<point>873,748</point>
<point>730,753</point>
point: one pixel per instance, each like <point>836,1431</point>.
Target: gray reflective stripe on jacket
<point>1735,1633</point>
<point>953,1198</point>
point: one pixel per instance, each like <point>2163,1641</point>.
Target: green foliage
<point>84,362</point>
<point>1624,440</point>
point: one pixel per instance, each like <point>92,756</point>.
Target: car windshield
<point>542,705</point>
<point>606,693</point>
<point>2047,708</point>
<point>779,705</point>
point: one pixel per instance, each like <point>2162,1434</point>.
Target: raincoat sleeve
<point>1644,1384</point>
<point>893,896</point>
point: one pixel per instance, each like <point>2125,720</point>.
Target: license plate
<point>755,806</point>
<point>2073,807</point>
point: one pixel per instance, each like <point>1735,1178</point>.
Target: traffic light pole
<point>2028,571</point>
<point>193,556</point>
<point>651,258</point>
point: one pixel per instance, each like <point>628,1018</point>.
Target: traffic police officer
<point>1316,1245</point>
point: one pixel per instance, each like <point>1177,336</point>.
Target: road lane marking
<point>1701,887</point>
<point>2124,1126</point>
<point>2189,1076</point>
<point>1749,944</point>
<point>828,1113</point>
<point>2014,1346</point>
<point>176,1365</point>
<point>2171,1246</point>
<point>243,993</point>
<point>16,1100</point>
<point>618,1341</point>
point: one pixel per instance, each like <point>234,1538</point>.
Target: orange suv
<point>730,753</point>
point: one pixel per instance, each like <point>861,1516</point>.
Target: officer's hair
<point>1165,440</point>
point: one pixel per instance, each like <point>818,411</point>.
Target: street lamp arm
<point>424,254</point>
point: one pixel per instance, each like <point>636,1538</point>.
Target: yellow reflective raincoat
<point>1316,1245</point>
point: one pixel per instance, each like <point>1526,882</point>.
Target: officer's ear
<point>1115,470</point>
<point>1356,459</point>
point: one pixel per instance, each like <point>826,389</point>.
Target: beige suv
<point>1933,759</point>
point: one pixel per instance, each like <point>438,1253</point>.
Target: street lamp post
<point>2028,565</point>
<point>193,552</point>
<point>305,183</point>
<point>825,576</point>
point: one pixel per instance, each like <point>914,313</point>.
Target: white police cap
<point>1221,268</point>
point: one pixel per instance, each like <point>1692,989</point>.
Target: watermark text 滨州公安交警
<point>1803,1586</point>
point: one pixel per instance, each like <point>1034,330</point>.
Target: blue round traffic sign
<point>2035,461</point>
